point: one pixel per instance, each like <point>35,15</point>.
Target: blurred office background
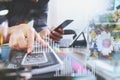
<point>81,11</point>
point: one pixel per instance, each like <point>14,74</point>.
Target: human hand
<point>22,37</point>
<point>56,36</point>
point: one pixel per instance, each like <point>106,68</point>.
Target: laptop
<point>68,40</point>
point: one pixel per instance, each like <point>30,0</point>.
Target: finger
<point>55,36</point>
<point>12,42</point>
<point>52,28</point>
<point>16,47</point>
<point>61,31</point>
<point>44,33</point>
<point>30,40</point>
<point>40,40</point>
<point>22,42</point>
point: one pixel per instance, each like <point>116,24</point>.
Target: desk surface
<point>73,52</point>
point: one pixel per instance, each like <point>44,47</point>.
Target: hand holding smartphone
<point>63,25</point>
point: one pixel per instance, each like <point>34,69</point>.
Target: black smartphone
<point>63,25</point>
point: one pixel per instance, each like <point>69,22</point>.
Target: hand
<point>21,37</point>
<point>56,36</point>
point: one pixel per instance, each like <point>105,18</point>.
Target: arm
<point>40,24</point>
<point>40,14</point>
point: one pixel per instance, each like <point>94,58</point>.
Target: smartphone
<point>63,25</point>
